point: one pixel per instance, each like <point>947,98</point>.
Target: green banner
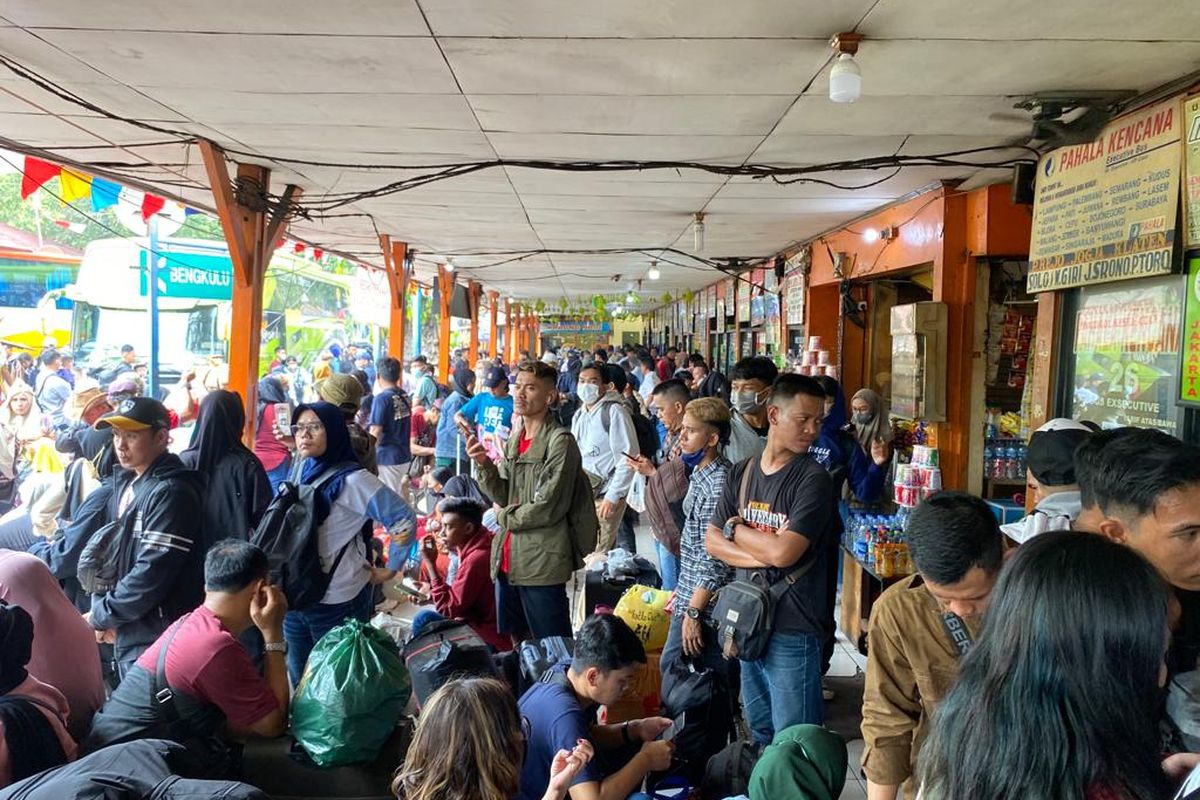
<point>1189,370</point>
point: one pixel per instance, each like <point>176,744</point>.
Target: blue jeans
<point>304,628</point>
<point>783,688</point>
<point>280,474</point>
<point>668,566</point>
<point>537,611</point>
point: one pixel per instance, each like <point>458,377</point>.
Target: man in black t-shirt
<point>781,523</point>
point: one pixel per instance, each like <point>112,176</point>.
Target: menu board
<point>1105,210</point>
<point>1127,355</point>
<point>1189,369</point>
<point>1191,173</point>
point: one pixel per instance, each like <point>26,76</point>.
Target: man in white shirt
<point>649,379</point>
<point>604,430</point>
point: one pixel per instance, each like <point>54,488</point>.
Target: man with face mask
<point>604,430</point>
<point>752,379</point>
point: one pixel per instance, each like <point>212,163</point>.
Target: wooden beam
<point>445,279</point>
<point>505,355</point>
<point>228,209</point>
<point>279,219</point>
<point>250,251</point>
<point>493,324</point>
<point>474,295</point>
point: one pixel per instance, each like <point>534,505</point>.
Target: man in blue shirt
<point>490,413</point>
<point>391,425</point>
<point>560,710</point>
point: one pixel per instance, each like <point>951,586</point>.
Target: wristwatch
<point>276,647</point>
<point>730,527</point>
<point>692,613</point>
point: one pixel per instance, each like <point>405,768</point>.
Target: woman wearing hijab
<point>33,731</point>
<point>64,653</point>
<point>348,499</point>
<point>274,454</point>
<point>238,488</point>
<point>451,448</point>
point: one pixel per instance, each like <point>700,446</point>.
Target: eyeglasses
<point>311,428</point>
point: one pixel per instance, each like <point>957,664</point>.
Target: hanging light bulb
<point>653,273</point>
<point>698,233</point>
<point>450,265</point>
<point>630,299</point>
<point>870,235</point>
<point>845,78</point>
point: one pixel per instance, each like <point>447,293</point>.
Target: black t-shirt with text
<point>797,498</point>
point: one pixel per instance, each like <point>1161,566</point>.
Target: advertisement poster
<point>794,291</point>
<point>742,288</point>
<point>1105,211</point>
<point>1191,173</point>
<point>757,311</point>
<point>1127,355</point>
<point>1189,370</point>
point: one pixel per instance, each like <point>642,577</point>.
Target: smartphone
<point>283,418</point>
<point>408,590</point>
<point>628,455</point>
<point>465,429</point>
<point>676,727</point>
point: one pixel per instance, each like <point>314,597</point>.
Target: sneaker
<point>826,693</point>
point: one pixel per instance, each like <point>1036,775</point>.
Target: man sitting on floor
<point>560,711</point>
<point>216,688</point>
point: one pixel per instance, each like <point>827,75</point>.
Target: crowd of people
<point>1023,661</point>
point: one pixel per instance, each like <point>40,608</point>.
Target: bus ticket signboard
<point>1191,173</point>
<point>1189,370</point>
<point>1105,211</point>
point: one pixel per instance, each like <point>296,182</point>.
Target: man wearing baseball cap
<point>490,413</point>
<point>156,502</point>
<point>1051,476</point>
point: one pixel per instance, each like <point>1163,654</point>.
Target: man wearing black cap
<point>156,502</point>
<point>1051,460</point>
<point>490,413</point>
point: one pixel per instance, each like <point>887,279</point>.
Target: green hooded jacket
<point>546,510</point>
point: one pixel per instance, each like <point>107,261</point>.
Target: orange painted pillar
<point>445,280</point>
<point>493,324</point>
<point>395,256</point>
<point>474,294</point>
<point>954,272</point>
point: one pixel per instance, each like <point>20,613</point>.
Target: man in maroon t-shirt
<point>216,686</point>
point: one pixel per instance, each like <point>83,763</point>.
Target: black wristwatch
<point>692,613</point>
<point>730,527</point>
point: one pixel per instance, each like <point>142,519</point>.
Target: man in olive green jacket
<point>545,512</point>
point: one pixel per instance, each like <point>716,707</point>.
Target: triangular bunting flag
<point>75,185</point>
<point>299,248</point>
<point>104,193</point>
<point>187,212</point>
<point>36,173</point>
<point>151,205</point>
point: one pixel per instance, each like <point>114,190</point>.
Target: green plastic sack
<point>351,696</point>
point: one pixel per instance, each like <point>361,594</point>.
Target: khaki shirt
<point>911,664</point>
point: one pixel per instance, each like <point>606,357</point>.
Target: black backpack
<point>703,695</point>
<point>287,533</point>
<point>643,428</point>
<point>442,651</point>
<point>728,772</point>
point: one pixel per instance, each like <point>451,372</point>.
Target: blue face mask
<point>692,459</point>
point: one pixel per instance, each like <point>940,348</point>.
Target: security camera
<point>862,305</point>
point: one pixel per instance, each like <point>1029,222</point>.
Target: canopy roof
<point>391,82</point>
